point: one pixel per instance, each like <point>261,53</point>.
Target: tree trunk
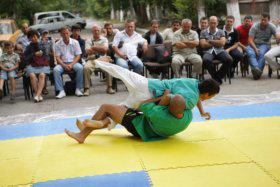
<point>131,9</point>
<point>156,12</point>
<point>233,9</point>
<point>274,10</point>
<point>200,10</point>
<point>112,10</point>
<point>148,12</point>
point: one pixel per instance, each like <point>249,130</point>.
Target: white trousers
<point>136,84</point>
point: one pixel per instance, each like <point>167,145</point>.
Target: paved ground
<point>240,89</point>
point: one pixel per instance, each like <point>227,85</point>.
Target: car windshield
<point>5,28</point>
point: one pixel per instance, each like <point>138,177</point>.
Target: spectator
<point>168,33</point>
<point>259,43</point>
<point>9,62</point>
<point>125,46</point>
<point>67,54</point>
<point>110,32</point>
<point>231,45</point>
<point>76,31</point>
<point>271,55</point>
<point>96,47</point>
<point>243,32</point>
<point>203,23</point>
<point>153,36</point>
<point>212,41</point>
<point>48,45</point>
<point>37,59</point>
<point>184,43</point>
<point>23,41</point>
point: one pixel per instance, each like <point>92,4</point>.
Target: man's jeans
<point>254,60</point>
<point>58,71</point>
<point>135,62</point>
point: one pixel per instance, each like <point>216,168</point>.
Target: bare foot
<point>75,136</point>
<point>93,123</point>
<point>80,125</point>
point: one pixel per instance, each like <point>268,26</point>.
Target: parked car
<point>70,18</point>
<point>53,23</point>
<point>8,31</point>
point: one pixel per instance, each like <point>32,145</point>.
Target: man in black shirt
<point>231,45</point>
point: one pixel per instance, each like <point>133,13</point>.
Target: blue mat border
<point>8,132</point>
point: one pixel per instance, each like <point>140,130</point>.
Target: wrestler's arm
<point>204,114</point>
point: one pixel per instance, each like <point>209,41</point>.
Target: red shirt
<point>243,34</point>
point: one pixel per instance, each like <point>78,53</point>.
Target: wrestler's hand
<point>206,115</point>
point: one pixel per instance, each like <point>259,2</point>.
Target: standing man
<point>125,46</point>
<point>184,43</point>
<point>259,43</point>
<point>23,41</point>
<point>67,54</point>
<point>153,36</point>
<point>95,47</point>
<point>212,41</point>
<point>231,45</point>
<point>168,33</point>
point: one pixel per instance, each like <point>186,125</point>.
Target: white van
<point>68,17</point>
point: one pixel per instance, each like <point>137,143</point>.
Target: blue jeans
<point>58,71</point>
<point>136,63</point>
<point>254,60</point>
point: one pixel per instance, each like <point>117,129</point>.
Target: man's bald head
<point>177,106</point>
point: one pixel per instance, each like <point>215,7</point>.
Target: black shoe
<point>45,91</point>
<point>218,79</point>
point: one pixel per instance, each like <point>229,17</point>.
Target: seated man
<point>110,32</point>
<point>259,43</point>
<point>212,41</point>
<point>140,88</point>
<point>150,122</point>
<point>231,45</point>
<point>184,43</point>
<point>125,46</point>
<point>271,55</point>
<point>76,31</point>
<point>68,54</point>
<point>243,32</point>
<point>168,34</point>
<point>153,36</point>
<point>95,47</point>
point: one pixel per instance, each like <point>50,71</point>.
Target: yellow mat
<point>240,152</point>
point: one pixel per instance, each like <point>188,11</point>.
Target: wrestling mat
<point>240,146</point>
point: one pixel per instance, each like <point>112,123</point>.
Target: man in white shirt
<point>125,46</point>
<point>67,54</point>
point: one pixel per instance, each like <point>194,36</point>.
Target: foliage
<point>168,9</point>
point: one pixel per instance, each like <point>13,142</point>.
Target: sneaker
<point>61,94</point>
<point>78,93</point>
<point>256,73</point>
<point>110,91</point>
<point>86,92</point>
<point>36,99</point>
<point>40,98</point>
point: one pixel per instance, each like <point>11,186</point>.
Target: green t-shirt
<point>157,123</point>
<point>186,87</point>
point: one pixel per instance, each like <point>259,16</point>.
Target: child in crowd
<point>9,62</point>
